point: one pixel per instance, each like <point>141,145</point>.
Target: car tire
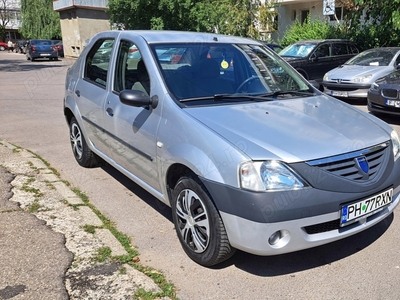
<point>2,48</point>
<point>198,224</point>
<point>83,155</point>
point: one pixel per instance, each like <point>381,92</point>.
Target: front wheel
<point>198,224</point>
<point>83,155</point>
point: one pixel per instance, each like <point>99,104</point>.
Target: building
<point>290,10</point>
<point>80,20</point>
<point>10,19</point>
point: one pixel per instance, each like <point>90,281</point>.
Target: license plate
<point>394,103</point>
<point>339,94</point>
<point>45,54</point>
<point>359,210</point>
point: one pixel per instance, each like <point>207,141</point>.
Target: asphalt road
<point>364,266</point>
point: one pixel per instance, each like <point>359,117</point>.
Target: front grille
<point>346,165</point>
<point>341,88</point>
<point>390,93</point>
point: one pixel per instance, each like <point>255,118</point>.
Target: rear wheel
<point>83,155</point>
<point>198,224</point>
<point>2,48</point>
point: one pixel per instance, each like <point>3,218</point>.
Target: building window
<point>294,15</point>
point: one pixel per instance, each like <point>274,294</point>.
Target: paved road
<point>365,266</point>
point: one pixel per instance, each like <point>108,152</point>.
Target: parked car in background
<point>384,94</point>
<point>36,49</point>
<point>19,46</point>
<point>60,48</point>
<point>354,78</point>
<point>313,58</point>
<point>277,48</point>
<point>3,46</point>
<point>248,154</point>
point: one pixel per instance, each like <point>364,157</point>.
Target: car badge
<point>338,80</point>
<point>362,164</point>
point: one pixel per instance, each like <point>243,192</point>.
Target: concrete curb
<point>37,189</point>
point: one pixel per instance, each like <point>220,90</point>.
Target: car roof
<point>321,41</point>
<point>171,36</point>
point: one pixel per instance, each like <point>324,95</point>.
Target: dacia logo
<point>362,165</point>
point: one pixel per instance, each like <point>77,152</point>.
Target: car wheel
<point>2,48</point>
<point>83,155</point>
<point>198,224</point>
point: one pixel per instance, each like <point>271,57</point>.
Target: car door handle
<point>78,93</point>
<point>110,112</point>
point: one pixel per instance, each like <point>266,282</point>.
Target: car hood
<point>294,130</point>
<point>348,72</point>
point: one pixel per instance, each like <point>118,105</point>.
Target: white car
<point>354,78</point>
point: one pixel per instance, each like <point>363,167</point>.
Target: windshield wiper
<point>282,93</point>
<point>238,97</point>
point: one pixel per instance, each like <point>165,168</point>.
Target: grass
<point>104,253</point>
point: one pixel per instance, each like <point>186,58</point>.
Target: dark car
<point>41,49</point>
<point>60,48</point>
<point>313,58</point>
<point>20,45</point>
<point>384,95</point>
<point>277,48</point>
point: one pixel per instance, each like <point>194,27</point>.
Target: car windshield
<point>227,72</point>
<point>374,57</point>
<point>297,50</point>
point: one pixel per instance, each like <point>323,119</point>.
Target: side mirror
<point>138,99</point>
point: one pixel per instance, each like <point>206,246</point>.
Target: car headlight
<point>326,77</point>
<point>269,176</point>
<point>362,79</point>
<point>375,87</point>
<point>396,144</point>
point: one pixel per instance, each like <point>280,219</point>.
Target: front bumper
<point>377,103</point>
<point>346,90</point>
<point>252,237</point>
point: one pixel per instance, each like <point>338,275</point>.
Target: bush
<point>311,30</point>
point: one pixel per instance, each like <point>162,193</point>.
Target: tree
<point>8,13</point>
<point>374,23</point>
<point>235,17</point>
<point>39,20</point>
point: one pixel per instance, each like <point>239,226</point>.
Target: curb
<point>98,269</point>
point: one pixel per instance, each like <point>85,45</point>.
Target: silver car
<point>354,78</point>
<point>245,151</point>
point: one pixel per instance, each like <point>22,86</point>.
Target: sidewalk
<point>52,244</point>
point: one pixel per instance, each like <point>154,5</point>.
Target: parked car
<point>354,78</point>
<point>60,48</point>
<point>3,46</point>
<point>313,58</point>
<point>248,155</point>
<point>41,49</point>
<point>277,48</point>
<point>384,94</point>
<point>19,46</point>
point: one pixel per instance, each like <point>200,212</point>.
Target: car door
<point>91,93</point>
<point>342,52</point>
<point>133,129</point>
<point>321,61</point>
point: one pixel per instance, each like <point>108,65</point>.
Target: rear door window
<point>98,61</point>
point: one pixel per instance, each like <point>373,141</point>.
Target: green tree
<point>235,17</point>
<point>374,23</point>
<point>39,20</point>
